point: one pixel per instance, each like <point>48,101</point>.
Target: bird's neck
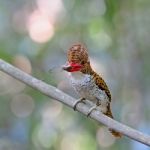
<point>83,74</point>
<point>87,69</point>
<point>78,75</point>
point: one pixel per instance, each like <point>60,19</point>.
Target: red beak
<point>71,67</point>
<point>67,67</point>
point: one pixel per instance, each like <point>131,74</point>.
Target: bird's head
<point>78,59</point>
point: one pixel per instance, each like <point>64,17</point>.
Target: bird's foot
<point>81,100</point>
<point>90,110</point>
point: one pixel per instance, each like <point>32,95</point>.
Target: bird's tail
<point>113,132</point>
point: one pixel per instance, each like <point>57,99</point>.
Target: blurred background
<point>35,35</point>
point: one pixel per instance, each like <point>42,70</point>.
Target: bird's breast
<point>85,86</point>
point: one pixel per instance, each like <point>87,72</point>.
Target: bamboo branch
<point>58,95</point>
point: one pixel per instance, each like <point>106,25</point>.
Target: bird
<point>87,83</point>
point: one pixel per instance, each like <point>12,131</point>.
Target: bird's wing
<point>102,85</point>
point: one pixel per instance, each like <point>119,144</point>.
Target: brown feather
<point>101,84</point>
<point>79,54</point>
<point>113,132</point>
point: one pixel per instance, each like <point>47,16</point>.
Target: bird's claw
<point>81,100</point>
<point>90,110</point>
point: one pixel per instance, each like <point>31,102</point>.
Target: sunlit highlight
<point>41,22</point>
<point>40,27</point>
<point>104,138</point>
<point>52,8</point>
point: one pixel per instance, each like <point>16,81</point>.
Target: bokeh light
<point>41,22</point>
<point>40,27</point>
<point>104,137</point>
<point>51,110</point>
<point>51,8</point>
<point>44,137</point>
<point>35,36</point>
<point>78,141</point>
<point>22,105</point>
<point>8,83</point>
<point>22,63</point>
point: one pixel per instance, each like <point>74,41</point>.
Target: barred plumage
<point>88,84</point>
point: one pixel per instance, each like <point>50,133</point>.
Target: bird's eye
<point>82,62</point>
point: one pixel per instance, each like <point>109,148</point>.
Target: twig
<point>58,95</point>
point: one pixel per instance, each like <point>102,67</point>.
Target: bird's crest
<point>78,54</point>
